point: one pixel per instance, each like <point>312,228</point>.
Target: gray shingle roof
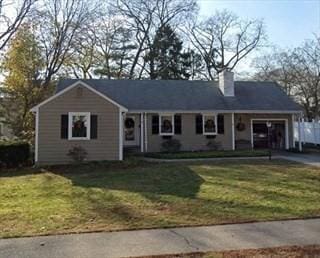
<point>160,95</point>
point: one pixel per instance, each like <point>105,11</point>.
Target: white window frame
<point>160,123</point>
<point>88,116</point>
<point>215,122</point>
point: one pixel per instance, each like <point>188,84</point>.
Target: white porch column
<point>293,128</point>
<point>299,133</point>
<point>232,132</point>
<point>287,134</point>
<point>145,133</point>
<point>141,132</point>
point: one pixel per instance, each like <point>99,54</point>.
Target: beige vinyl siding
<point>53,150</point>
<point>190,141</point>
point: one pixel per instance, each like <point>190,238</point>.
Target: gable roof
<point>174,95</point>
<point>71,86</point>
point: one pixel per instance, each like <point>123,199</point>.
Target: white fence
<point>309,132</point>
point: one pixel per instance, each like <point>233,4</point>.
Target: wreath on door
<point>129,123</point>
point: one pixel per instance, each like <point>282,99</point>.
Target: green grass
<point>115,196</point>
<point>208,154</point>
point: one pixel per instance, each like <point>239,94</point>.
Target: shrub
<point>14,154</point>
<point>78,154</point>
<point>171,145</point>
<point>214,145</point>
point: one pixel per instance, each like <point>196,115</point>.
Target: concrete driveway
<point>312,159</point>
<point>165,241</point>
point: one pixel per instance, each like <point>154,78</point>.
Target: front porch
<point>234,131</point>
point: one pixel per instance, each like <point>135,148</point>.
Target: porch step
<point>131,149</point>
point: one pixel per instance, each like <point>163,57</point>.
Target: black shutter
<point>199,124</point>
<point>177,124</point>
<point>64,126</point>
<point>220,124</point>
<point>155,124</point>
<point>93,127</point>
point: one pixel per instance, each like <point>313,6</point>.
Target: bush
<point>14,154</point>
<point>171,145</point>
<point>78,154</point>
<point>214,145</point>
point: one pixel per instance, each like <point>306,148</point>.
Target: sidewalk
<point>166,241</point>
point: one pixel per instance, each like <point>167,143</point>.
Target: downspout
<point>36,140</point>
<point>120,134</point>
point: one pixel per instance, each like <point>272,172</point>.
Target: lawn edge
<point>281,247</point>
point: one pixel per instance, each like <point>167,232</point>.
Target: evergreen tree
<point>166,58</point>
<point>22,66</point>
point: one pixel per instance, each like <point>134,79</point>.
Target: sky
<point>288,22</point>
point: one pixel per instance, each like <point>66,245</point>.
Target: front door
<point>131,131</point>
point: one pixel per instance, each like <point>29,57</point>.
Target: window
<point>79,126</point>
<point>209,124</point>
<point>166,125</point>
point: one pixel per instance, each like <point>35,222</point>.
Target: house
<point>107,116</point>
<point>5,132</point>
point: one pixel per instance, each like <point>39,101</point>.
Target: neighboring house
<point>106,116</point>
<point>5,132</point>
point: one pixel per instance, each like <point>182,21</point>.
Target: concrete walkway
<point>308,159</point>
<point>166,241</point>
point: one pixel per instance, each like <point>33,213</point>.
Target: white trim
<point>215,123</point>
<point>251,134</point>
<point>293,140</point>
<point>272,119</point>
<point>36,140</point>
<point>145,133</point>
<point>287,134</point>
<point>299,133</point>
<point>232,132</point>
<point>70,120</point>
<point>77,83</point>
<point>160,123</point>
<point>217,111</point>
<point>120,135</point>
<point>141,132</point>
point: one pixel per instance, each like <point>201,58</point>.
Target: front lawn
<point>133,195</point>
<point>208,154</point>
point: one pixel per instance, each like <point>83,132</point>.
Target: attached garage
<point>269,134</point>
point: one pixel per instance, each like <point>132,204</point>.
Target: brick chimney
<point>226,83</point>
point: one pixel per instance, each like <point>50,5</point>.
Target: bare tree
<point>114,48</point>
<point>83,55</point>
<point>145,17</point>
<point>10,23</point>
<point>298,72</point>
<point>275,67</point>
<point>223,40</point>
<point>59,22</point>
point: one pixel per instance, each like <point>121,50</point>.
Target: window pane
<point>166,124</point>
<point>79,126</point>
<point>209,124</point>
